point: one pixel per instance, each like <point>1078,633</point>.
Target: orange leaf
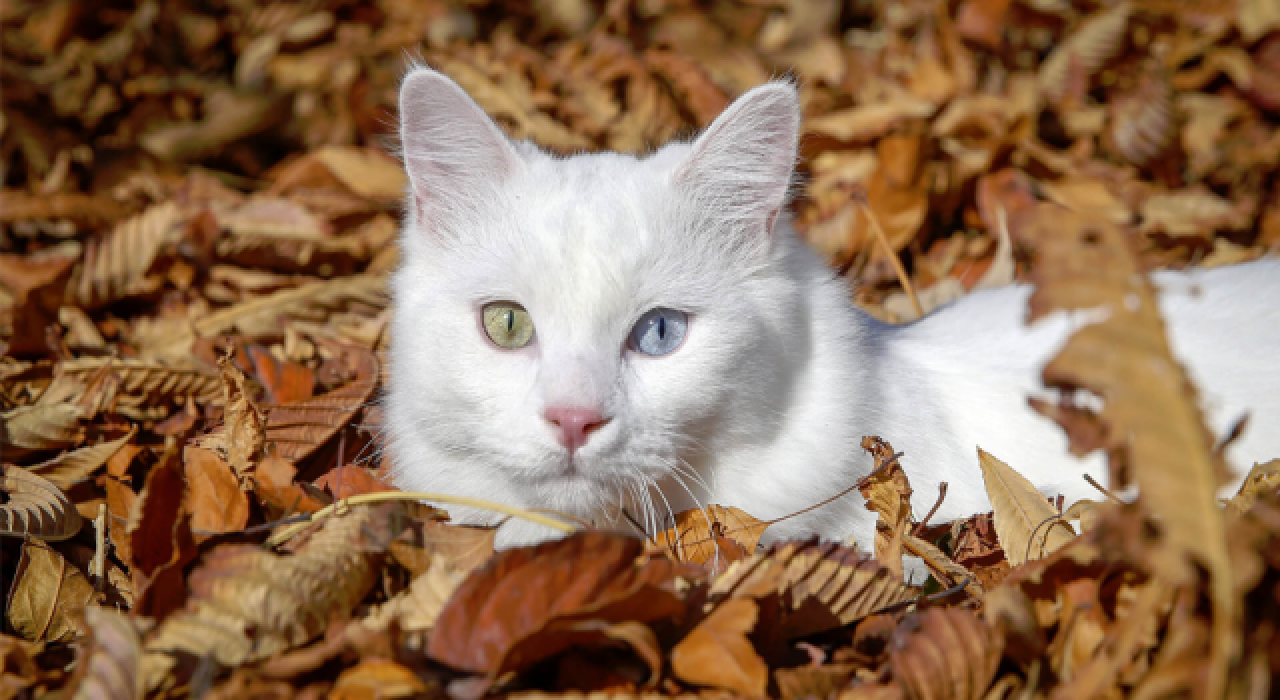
<point>217,503</point>
<point>715,536</point>
<point>717,652</point>
<point>345,482</point>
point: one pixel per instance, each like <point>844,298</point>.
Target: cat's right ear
<point>452,149</point>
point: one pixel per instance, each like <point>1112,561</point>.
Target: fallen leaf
<point>215,499</point>
<point>377,679</point>
<point>717,652</point>
<point>47,596</point>
<point>1028,527</point>
<point>714,536</point>
<point>345,482</point>
<point>298,429</point>
<point>417,608</point>
<point>1158,434</point>
<point>506,615</point>
<point>77,465</point>
<point>945,653</point>
<point>156,540</point>
<point>109,669</point>
<point>35,507</point>
<point>248,604</point>
<point>243,435</point>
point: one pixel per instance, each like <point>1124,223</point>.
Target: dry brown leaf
<point>1158,434</point>
<point>109,669</point>
<point>821,586</point>
<point>261,315</point>
<point>77,465</point>
<point>215,498</point>
<point>53,422</point>
<point>377,679</point>
<point>1142,122</point>
<point>119,265</point>
<point>1262,478</point>
<point>889,495</point>
<point>947,654</point>
<point>297,429</point>
<point>35,507</point>
<point>368,173</point>
<point>276,489</point>
<point>1094,42</point>
<point>248,603</point>
<point>714,536</point>
<point>244,427</point>
<point>156,540</point>
<point>1028,527</point>
<point>823,681</point>
<point>139,384</point>
<point>522,606</point>
<point>230,116</point>
<point>48,595</point>
<point>867,122</point>
<point>416,608</point>
<point>717,652</point>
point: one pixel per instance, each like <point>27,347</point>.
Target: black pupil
<point>662,328</point>
<point>511,320</point>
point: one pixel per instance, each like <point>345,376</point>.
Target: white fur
<point>779,377</point>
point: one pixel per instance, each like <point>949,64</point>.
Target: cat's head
<point>568,330</point>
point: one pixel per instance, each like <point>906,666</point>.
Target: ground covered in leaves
<point>197,219</point>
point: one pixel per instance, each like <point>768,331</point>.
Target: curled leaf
<point>714,536</point>
<point>36,508</point>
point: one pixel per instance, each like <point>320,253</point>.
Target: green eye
<point>507,324</point>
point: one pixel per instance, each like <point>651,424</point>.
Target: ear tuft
<point>452,149</point>
<point>741,166</point>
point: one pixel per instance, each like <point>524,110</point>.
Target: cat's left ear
<point>741,165</point>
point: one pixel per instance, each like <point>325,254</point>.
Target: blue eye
<point>659,332</point>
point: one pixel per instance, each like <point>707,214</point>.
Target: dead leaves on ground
<point>198,221</point>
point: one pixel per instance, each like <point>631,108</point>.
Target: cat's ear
<point>741,165</point>
<point>452,149</point>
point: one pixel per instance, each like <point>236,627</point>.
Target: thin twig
<point>920,526</point>
<point>857,485</point>
<point>901,271</point>
<point>256,528</point>
<point>283,535</point>
<point>1105,492</point>
<point>99,566</point>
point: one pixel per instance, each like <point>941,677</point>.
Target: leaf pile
<point>197,218</point>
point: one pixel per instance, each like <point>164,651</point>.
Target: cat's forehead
<point>591,235</point>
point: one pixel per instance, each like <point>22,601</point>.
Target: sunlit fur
<point>779,377</point>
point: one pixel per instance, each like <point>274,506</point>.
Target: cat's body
<point>764,401</point>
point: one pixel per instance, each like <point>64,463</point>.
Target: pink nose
<point>572,425</point>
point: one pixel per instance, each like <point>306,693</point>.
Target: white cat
<point>582,334</point>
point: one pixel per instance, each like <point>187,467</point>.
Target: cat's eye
<point>507,324</point>
<point>659,332</point>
